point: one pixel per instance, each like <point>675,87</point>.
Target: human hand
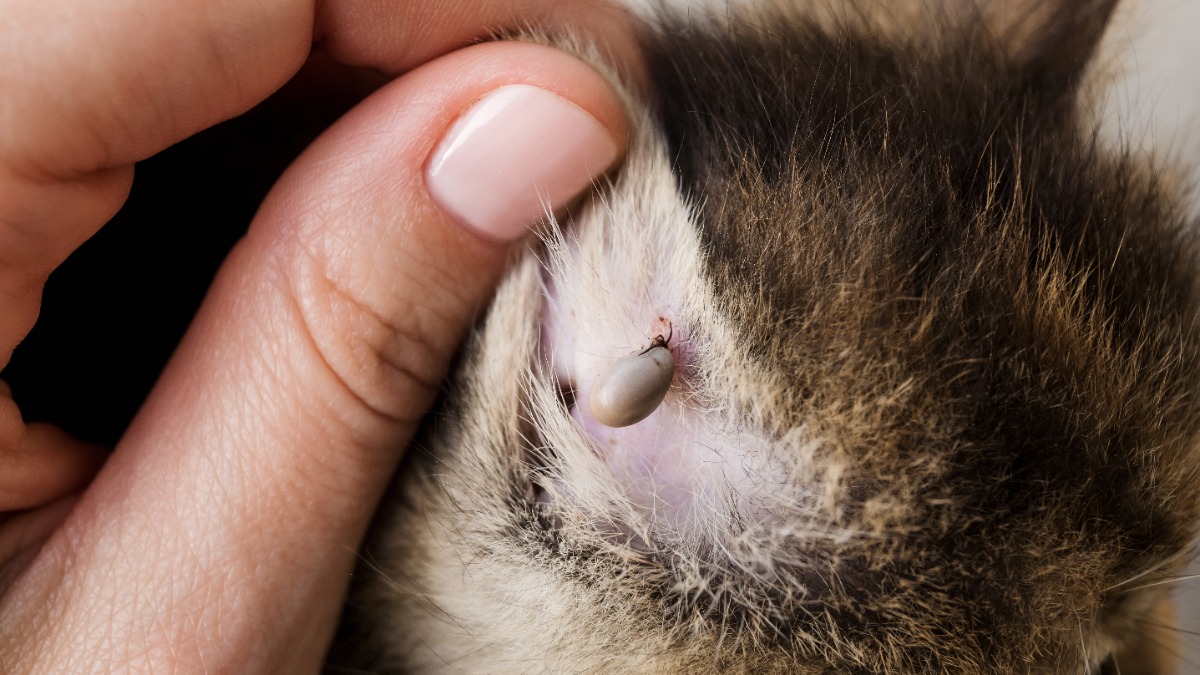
<point>221,531</point>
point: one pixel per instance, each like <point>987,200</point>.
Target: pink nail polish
<point>513,154</point>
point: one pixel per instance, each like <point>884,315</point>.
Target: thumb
<point>239,495</point>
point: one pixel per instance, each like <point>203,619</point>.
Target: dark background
<point>114,311</point>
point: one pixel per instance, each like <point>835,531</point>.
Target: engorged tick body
<point>633,386</point>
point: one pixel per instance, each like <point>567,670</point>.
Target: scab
<point>633,386</point>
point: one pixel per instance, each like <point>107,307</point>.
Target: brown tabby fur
<point>954,337</point>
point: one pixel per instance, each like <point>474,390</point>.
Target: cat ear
<point>1050,42</point>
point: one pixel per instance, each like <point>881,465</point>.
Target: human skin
<point>219,533</point>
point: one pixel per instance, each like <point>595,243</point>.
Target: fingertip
<point>414,196</point>
<point>517,153</point>
<point>542,131</point>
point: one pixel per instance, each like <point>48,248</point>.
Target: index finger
<point>91,87</point>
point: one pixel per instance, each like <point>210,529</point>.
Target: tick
<point>634,385</point>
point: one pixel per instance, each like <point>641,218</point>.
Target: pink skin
<point>651,459</point>
<point>675,464</point>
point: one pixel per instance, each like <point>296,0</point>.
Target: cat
<point>931,404</point>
